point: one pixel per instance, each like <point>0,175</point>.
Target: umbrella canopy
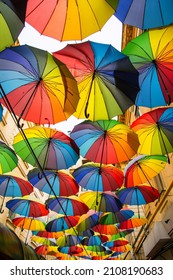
<point>104,75</point>
<point>138,195</point>
<point>69,240</point>
<point>143,168</point>
<point>62,183</point>
<point>12,18</point>
<point>43,240</point>
<point>12,186</point>
<point>53,149</point>
<point>116,243</point>
<point>46,234</point>
<point>155,131</point>
<point>116,218</point>
<point>8,158</point>
<point>27,207</point>
<point>87,220</point>
<point>145,14</point>
<point>69,206</point>
<point>151,54</point>
<point>121,233</point>
<point>28,223</point>
<point>133,223</point>
<point>105,229</point>
<point>36,86</point>
<point>92,176</point>
<point>95,240</point>
<point>71,250</point>
<point>67,20</point>
<point>104,141</point>
<point>122,249</point>
<point>46,250</point>
<point>101,201</point>
<point>62,223</point>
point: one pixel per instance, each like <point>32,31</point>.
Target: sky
<point>111,33</point>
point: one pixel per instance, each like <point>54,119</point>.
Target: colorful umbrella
<point>122,249</point>
<point>133,223</point>
<point>105,229</point>
<point>143,168</point>
<point>155,131</point>
<point>146,14</point>
<point>69,240</point>
<point>71,250</point>
<point>151,54</point>
<point>43,240</point>
<point>101,201</point>
<point>71,205</point>
<point>62,223</point>
<point>12,186</point>
<point>8,158</point>
<point>115,218</point>
<point>11,21</point>
<point>27,207</point>
<point>92,176</point>
<point>116,243</point>
<point>87,220</point>
<point>121,233</point>
<point>106,142</point>
<point>36,86</point>
<point>94,240</point>
<point>67,20</point>
<point>46,234</point>
<point>62,183</point>
<point>51,148</point>
<point>28,223</point>
<point>138,195</point>
<point>46,250</point>
<point>104,75</point>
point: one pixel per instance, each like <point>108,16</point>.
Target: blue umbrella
<point>145,14</point>
<point>12,186</point>
<point>61,182</point>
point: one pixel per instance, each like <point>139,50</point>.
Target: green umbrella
<point>8,158</point>
<point>12,18</point>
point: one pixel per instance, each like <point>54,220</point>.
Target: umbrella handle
<point>18,123</point>
<point>86,114</point>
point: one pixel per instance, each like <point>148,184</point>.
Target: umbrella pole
<point>137,202</point>
<point>26,240</point>
<point>89,93</point>
<point>144,174</point>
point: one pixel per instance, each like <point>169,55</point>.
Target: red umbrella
<point>27,207</point>
<point>105,141</point>
<point>61,182</point>
<point>71,205</point>
<point>133,223</point>
<point>94,177</point>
